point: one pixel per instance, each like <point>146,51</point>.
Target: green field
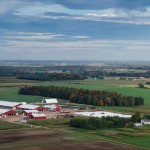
<point>7,125</point>
<point>9,91</point>
<point>137,136</point>
<point>128,88</point>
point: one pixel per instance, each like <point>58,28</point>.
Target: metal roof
<point>2,111</point>
<point>38,115</point>
<point>50,101</point>
<point>28,106</point>
<point>50,106</point>
<point>9,104</point>
<point>31,111</point>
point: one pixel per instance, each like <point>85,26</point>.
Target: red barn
<point>6,112</point>
<point>30,112</point>
<point>31,107</point>
<point>38,116</point>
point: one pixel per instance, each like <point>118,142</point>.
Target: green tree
<point>141,85</point>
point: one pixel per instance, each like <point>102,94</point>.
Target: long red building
<point>7,112</point>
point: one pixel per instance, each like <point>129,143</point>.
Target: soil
<point>52,140</point>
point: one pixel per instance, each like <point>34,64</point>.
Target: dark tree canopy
<point>81,96</point>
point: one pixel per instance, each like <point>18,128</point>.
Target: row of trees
<point>118,74</point>
<point>50,76</point>
<point>94,123</point>
<point>97,98</point>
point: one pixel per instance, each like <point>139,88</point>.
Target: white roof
<point>38,115</point>
<point>50,106</point>
<point>50,101</point>
<point>9,104</point>
<point>102,114</point>
<point>28,106</point>
<point>2,111</point>
<point>31,111</point>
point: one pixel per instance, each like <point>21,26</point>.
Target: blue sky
<point>75,29</point>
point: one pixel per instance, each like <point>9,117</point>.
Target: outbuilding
<point>138,124</point>
<point>38,116</point>
<point>50,101</point>
<point>145,121</point>
<point>7,112</point>
<point>29,112</point>
<point>31,107</point>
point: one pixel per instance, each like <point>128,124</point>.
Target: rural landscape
<point>74,74</point>
<point>60,126</point>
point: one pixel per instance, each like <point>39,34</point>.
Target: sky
<point>75,30</point>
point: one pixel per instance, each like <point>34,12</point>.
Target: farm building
<point>31,107</point>
<point>53,107</point>
<point>50,101</point>
<point>29,112</point>
<point>138,124</point>
<point>145,121</point>
<point>102,114</point>
<point>7,112</point>
<point>38,116</point>
<point>10,105</point>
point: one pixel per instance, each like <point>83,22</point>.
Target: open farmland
<point>45,139</point>
<point>129,88</point>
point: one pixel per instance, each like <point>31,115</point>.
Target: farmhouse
<point>53,107</point>
<point>145,121</point>
<point>10,105</point>
<point>7,112</point>
<point>38,116</point>
<point>50,101</point>
<point>29,112</point>
<point>31,107</point>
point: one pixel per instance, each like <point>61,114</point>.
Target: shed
<point>7,112</point>
<point>38,116</point>
<point>50,101</point>
<point>145,121</point>
<point>29,112</point>
<point>31,107</point>
<point>138,124</point>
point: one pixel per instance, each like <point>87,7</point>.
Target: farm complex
<point>52,110</point>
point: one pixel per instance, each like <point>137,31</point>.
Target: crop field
<point>59,133</point>
<point>56,138</point>
<point>138,136</point>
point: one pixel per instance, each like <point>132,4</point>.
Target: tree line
<point>93,123</point>
<point>50,76</point>
<point>81,96</point>
<point>101,74</point>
